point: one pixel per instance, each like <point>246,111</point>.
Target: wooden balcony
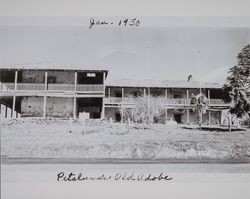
<point>164,101</point>
<point>34,87</point>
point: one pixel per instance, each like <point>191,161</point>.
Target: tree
<point>201,105</point>
<point>237,88</point>
<point>145,110</point>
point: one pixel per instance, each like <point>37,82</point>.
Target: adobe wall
<point>66,77</point>
<point>215,116</point>
<point>55,107</point>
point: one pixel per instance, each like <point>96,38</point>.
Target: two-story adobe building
<point>51,90</point>
<point>175,97</point>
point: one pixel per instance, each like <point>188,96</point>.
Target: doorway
<point>93,106</point>
<point>177,118</point>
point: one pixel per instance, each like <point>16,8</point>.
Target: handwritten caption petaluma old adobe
<point>124,176</point>
<point>124,22</point>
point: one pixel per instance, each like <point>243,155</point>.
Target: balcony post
<point>6,111</point>
<point>75,81</point>
<point>122,112</point>
<point>44,106</point>
<point>209,111</point>
<point>103,104</point>
<point>166,111</point>
<point>45,97</point>
<point>74,108</point>
<point>46,81</point>
<point>74,99</point>
<point>187,107</point>
<point>14,97</point>
<point>149,102</point>
<point>16,74</point>
<point>13,106</point>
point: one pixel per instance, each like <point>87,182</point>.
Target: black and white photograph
<point>133,98</point>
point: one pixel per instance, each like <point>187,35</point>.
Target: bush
<point>246,122</point>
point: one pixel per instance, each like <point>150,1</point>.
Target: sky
<point>160,48</point>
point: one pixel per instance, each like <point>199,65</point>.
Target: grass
<point>57,138</point>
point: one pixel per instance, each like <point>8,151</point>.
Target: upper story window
<point>51,79</point>
<point>91,74</point>
<point>89,78</point>
<point>118,94</point>
<point>177,96</point>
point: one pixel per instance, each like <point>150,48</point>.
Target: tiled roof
<point>52,66</point>
<point>116,83</point>
<point>161,84</point>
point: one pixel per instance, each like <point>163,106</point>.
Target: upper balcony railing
<point>165,101</point>
<point>52,87</point>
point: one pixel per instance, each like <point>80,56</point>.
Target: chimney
<point>190,77</point>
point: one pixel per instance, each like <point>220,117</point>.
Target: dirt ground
<point>25,138</point>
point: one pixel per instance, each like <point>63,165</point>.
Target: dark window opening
<point>177,96</point>
<point>9,76</point>
<point>118,117</point>
<point>177,118</point>
<point>89,78</point>
<point>216,94</point>
<point>118,94</point>
<point>51,79</point>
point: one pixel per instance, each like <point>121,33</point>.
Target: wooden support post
<point>45,97</point>
<point>188,107</point>
<point>74,108</point>
<point>103,104</point>
<point>46,81</point>
<point>13,106</point>
<point>149,103</point>
<point>44,106</point>
<point>14,97</point>
<point>6,111</point>
<point>74,99</point>
<point>122,111</point>
<point>166,97</point>
<point>104,83</point>
<point>209,111</point>
<point>75,81</point>
<point>16,74</point>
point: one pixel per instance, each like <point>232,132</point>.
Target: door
<point>177,118</point>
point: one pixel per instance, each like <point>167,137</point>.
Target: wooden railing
<point>52,87</point>
<point>182,102</point>
<point>90,87</point>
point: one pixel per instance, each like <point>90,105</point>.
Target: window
<point>91,75</point>
<point>51,79</point>
<point>118,94</point>
<point>177,96</point>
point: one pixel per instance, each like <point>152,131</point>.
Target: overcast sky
<point>160,48</point>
